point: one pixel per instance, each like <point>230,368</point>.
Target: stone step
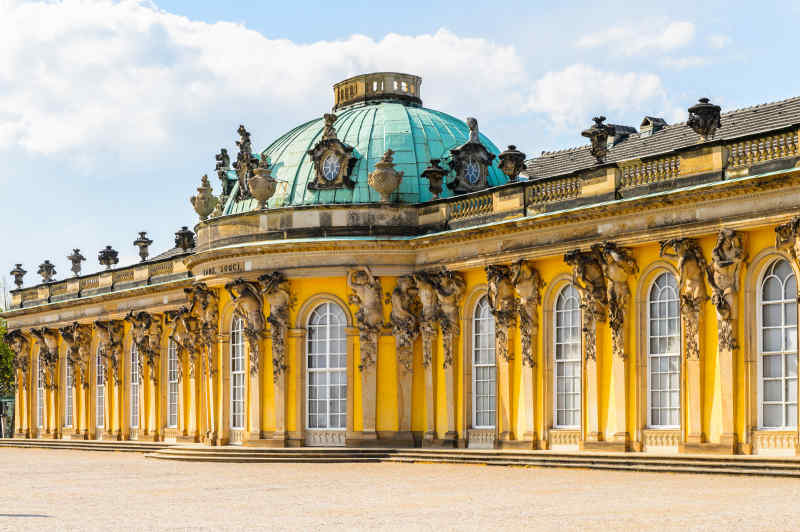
<point>266,459</point>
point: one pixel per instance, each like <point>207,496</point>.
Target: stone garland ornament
<point>405,319</point>
<point>503,305</point>
<point>333,160</point>
<point>704,118</point>
<point>204,202</point>
<point>385,179</point>
<point>435,176</point>
<point>512,162</point>
<point>598,135</point>
<point>76,258</point>
<point>367,296</point>
<point>108,257</point>
<point>450,288</point>
<point>470,162</point>
<point>47,270</point>
<point>618,264</point>
<point>245,162</point>
<point>275,288</point>
<point>528,285</point>
<point>184,239</point>
<point>590,282</point>
<point>727,258</point>
<point>143,243</point>
<point>204,307</point>
<point>109,344</point>
<point>146,331</point>
<point>692,269</point>
<point>426,290</point>
<point>19,345</point>
<point>261,185</point>
<point>18,273</point>
<point>246,297</point>
<point>48,354</point>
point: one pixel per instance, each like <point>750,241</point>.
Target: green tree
<point>6,364</point>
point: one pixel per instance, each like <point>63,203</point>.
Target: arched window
<point>237,373</point>
<point>69,395</point>
<point>567,404</point>
<point>40,394</point>
<point>134,386</point>
<point>484,408</point>
<point>100,391</point>
<point>663,353</point>
<point>172,384</point>
<point>777,368</point>
<point>327,368</point>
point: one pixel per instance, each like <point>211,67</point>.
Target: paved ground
<point>75,490</point>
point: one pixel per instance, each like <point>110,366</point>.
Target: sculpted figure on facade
<point>186,331</point>
<point>450,288</point>
<point>204,306</point>
<point>404,318</point>
<point>692,269</point>
<point>503,304</point>
<point>787,238</point>
<point>19,345</point>
<point>618,265</point>
<point>528,285</point>
<point>146,331</point>
<point>109,345</point>
<point>275,288</point>
<point>368,297</point>
<point>78,340</point>
<point>726,263</point>
<point>48,354</point>
<point>426,290</point>
<point>590,282</point>
<point>246,296</point>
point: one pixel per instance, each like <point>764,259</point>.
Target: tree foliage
<point>6,364</point>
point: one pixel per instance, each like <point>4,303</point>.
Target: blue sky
<point>110,112</point>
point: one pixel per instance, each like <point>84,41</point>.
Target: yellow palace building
<point>385,276</point>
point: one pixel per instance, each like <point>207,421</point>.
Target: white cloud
<point>719,41</point>
<point>680,63</point>
<point>572,96</point>
<point>659,36</point>
<point>86,77</point>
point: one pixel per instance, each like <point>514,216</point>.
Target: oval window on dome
<point>472,173</point>
<point>330,167</point>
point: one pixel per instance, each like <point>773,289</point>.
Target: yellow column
<point>504,430</point>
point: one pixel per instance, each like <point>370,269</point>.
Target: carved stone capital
<point>48,353</point>
<point>528,285</point>
<point>503,304</point>
<point>726,264</point>
<point>19,344</point>
<point>110,335</point>
<point>368,297</point>
<point>248,305</point>
<point>450,288</point>
<point>618,265</point>
<point>277,291</point>
<point>405,319</point>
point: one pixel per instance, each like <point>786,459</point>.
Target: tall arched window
<point>69,392</point>
<point>172,384</point>
<point>777,368</point>
<point>100,391</point>
<point>663,353</point>
<point>237,373</point>
<point>484,408</point>
<point>327,368</point>
<point>40,394</point>
<point>567,404</point>
<point>134,387</point>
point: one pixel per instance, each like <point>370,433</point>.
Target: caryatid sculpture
<point>618,264</point>
<point>109,345</point>
<point>48,354</point>
<point>503,304</point>
<point>528,284</point>
<point>787,238</point>
<point>246,296</point>
<point>19,344</point>
<point>450,288</point>
<point>426,290</point>
<point>590,282</point>
<point>275,288</point>
<point>78,339</point>
<point>692,269</point>
<point>406,308</point>
<point>146,331</point>
<point>726,263</point>
<point>367,296</point>
<point>204,306</point>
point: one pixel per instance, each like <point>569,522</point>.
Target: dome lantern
<point>376,87</point>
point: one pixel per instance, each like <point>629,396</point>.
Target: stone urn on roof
<point>385,179</point>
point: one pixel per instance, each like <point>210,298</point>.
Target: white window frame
<point>68,395</point>
<point>651,356</point>
<point>99,391</point>
<point>556,361</point>
<point>482,313</point>
<point>135,388</point>
<point>760,347</point>
<point>172,384</point>
<point>340,371</point>
<point>237,371</point>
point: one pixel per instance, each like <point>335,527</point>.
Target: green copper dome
<point>416,135</point>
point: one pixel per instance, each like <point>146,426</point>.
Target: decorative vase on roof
<point>261,185</point>
<point>205,201</point>
<point>385,179</point>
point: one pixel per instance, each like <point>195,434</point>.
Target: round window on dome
<point>472,173</point>
<point>330,167</point>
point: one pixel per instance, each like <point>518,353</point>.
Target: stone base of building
<point>449,441</point>
<point>604,446</point>
<point>516,444</point>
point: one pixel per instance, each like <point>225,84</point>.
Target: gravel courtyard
<point>74,490</point>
